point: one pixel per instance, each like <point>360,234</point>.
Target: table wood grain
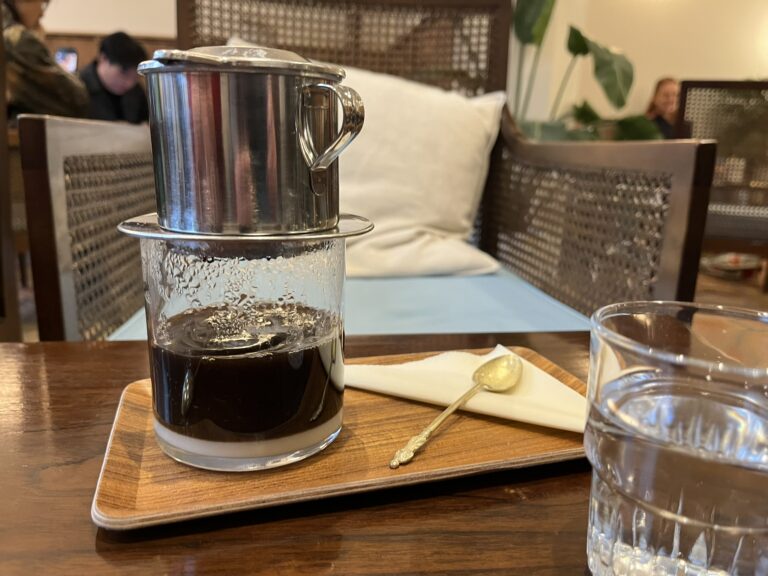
<point>57,404</point>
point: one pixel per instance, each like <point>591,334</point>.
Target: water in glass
<point>680,478</point>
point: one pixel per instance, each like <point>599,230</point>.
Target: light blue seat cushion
<point>500,302</point>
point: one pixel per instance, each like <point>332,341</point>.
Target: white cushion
<point>417,170</point>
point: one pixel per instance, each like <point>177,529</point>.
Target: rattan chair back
<point>82,178</point>
<point>736,115</point>
<point>600,222</point>
<point>457,45</point>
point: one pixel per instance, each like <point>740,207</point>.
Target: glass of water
<point>677,437</point>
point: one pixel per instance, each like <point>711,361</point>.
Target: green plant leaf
<point>584,114</point>
<point>531,20</point>
<point>637,128</point>
<point>577,43</point>
<point>613,71</point>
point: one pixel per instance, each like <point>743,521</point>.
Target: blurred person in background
<point>662,108</point>
<point>113,82</point>
<point>35,82</point>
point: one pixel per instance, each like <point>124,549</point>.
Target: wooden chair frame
<point>10,324</point>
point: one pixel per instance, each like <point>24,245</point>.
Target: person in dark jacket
<point>34,82</point>
<point>113,82</point>
<point>662,109</point>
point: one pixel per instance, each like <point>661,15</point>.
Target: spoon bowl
<point>499,374</point>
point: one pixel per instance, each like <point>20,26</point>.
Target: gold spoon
<point>497,375</point>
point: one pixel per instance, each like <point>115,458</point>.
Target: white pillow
<point>417,170</point>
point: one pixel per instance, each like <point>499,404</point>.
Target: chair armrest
<point>597,222</point>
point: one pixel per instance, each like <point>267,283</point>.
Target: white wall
<point>155,18</point>
<point>686,39</point>
<point>553,61</point>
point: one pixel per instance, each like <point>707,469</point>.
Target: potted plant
<point>612,70</point>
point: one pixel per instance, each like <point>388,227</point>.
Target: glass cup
<point>245,343</point>
<point>677,436</point>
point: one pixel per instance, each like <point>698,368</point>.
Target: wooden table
<point>57,403</point>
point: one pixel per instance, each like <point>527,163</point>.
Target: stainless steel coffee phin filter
<point>243,263</point>
<point>246,139</point>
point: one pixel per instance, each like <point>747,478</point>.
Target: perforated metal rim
<point>146,226</point>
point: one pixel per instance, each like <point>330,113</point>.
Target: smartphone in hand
<point>67,59</point>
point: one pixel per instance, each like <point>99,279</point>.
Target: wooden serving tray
<point>140,486</point>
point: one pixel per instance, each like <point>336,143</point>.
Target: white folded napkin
<point>538,397</point>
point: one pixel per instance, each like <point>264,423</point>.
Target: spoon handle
<point>407,452</point>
